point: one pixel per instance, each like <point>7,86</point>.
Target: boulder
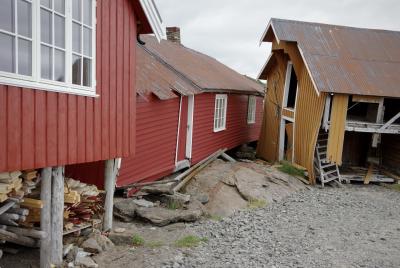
<point>161,216</point>
<point>97,243</point>
<point>125,210</point>
<point>143,203</point>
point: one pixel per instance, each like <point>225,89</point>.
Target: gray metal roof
<point>344,59</point>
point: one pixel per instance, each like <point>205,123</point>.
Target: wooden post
<point>57,216</point>
<point>45,217</point>
<point>110,174</point>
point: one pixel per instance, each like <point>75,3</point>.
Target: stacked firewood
<point>83,204</point>
<point>16,208</point>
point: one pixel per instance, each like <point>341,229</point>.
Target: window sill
<point>251,123</point>
<point>219,130</point>
<point>49,86</point>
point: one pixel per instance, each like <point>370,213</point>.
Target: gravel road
<point>353,226</point>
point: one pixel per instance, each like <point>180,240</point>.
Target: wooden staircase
<point>325,171</point>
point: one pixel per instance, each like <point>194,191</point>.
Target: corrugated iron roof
<point>205,72</point>
<point>154,77</point>
<point>344,59</point>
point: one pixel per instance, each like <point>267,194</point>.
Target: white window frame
<point>35,81</point>
<point>251,109</point>
<point>220,112</point>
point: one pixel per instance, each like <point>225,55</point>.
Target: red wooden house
<point>189,106</point>
<point>67,82</point>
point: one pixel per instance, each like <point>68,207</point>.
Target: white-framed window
<point>220,112</point>
<point>49,45</point>
<point>251,110</point>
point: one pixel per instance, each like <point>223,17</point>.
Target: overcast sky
<point>230,30</point>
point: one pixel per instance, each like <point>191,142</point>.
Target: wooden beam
<point>45,217</point>
<point>57,216</point>
<point>391,121</point>
<point>110,174</point>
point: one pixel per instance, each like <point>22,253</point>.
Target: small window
<point>251,110</point>
<point>220,112</point>
<point>48,44</point>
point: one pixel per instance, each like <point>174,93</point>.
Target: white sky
<point>230,30</point>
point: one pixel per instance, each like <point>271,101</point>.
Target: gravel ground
<point>353,226</point>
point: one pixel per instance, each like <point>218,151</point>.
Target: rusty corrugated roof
<point>344,59</point>
<point>154,77</point>
<point>205,72</point>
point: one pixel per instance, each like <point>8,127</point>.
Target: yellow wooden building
<point>331,102</point>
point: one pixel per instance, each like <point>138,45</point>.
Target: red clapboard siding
<point>157,124</point>
<point>206,141</point>
<point>40,128</point>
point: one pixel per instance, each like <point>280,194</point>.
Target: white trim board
<point>153,16</point>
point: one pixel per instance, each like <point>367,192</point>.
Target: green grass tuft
<point>287,168</point>
<point>137,240</point>
<point>395,187</point>
<point>154,244</point>
<point>256,203</point>
<point>189,241</point>
<point>173,205</point>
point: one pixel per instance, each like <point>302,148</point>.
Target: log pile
<point>20,207</point>
<point>83,204</point>
<point>16,208</point>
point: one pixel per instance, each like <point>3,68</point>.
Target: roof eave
<point>153,18</point>
<point>269,34</point>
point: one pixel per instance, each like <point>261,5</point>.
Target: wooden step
<point>330,172</point>
<point>327,166</point>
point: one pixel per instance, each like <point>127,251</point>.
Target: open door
<point>185,132</point>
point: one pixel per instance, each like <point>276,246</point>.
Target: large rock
<point>161,216</point>
<point>125,209</point>
<point>97,243</point>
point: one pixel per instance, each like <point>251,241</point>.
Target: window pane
<point>59,6</point>
<point>87,42</point>
<point>46,61</point>
<point>45,26</point>
<point>87,12</point>
<point>24,18</point>
<point>76,10</point>
<point>87,72</point>
<point>76,70</point>
<point>76,37</point>
<point>59,65</point>
<point>6,15</point>
<point>59,31</point>
<point>24,57</point>
<point>7,53</point>
<point>46,3</point>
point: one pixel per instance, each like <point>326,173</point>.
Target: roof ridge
<point>333,25</point>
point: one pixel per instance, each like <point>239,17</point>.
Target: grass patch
<point>395,187</point>
<point>189,241</point>
<point>154,244</point>
<point>137,240</point>
<point>173,205</point>
<point>287,168</point>
<point>256,203</point>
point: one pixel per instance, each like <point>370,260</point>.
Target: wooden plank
<point>105,79</point>
<point>45,217</point>
<point>81,129</point>
<point>28,125</point>
<point>14,136</point>
<point>366,99</point>
<point>51,129</point>
<point>368,176</point>
<point>113,80</point>
<point>126,77</point>
<point>3,127</point>
<point>62,130</point>
<point>17,239</point>
<point>40,128</point>
<point>119,75</point>
<point>196,169</point>
<point>72,129</point>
